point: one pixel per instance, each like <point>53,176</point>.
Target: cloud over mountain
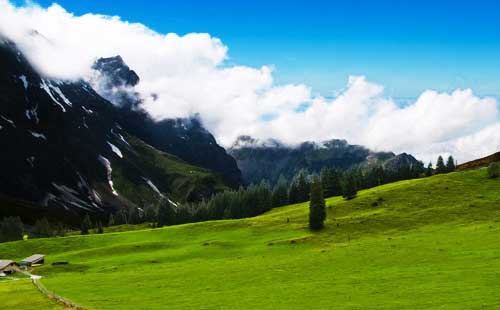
<point>188,74</point>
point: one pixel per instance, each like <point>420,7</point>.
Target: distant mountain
<point>269,159</point>
<point>67,151</point>
<point>183,137</point>
<point>398,161</point>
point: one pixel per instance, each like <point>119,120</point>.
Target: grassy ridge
<point>421,244</point>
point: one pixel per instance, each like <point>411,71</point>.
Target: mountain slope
<point>427,243</point>
<point>183,137</point>
<point>65,153</point>
<point>269,159</point>
<point>481,162</point>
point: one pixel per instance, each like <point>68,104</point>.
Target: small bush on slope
<point>493,170</point>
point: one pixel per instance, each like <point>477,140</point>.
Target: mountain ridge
<point>269,159</point>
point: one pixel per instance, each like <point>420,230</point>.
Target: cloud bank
<point>190,75</point>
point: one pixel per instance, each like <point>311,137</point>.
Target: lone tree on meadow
<point>440,167</point>
<point>349,186</point>
<point>450,164</point>
<point>317,213</point>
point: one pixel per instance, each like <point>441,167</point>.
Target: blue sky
<point>407,46</point>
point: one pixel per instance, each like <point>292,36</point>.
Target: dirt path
<point>60,300</point>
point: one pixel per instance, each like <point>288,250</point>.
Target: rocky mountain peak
<point>116,71</point>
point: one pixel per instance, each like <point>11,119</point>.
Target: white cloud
<point>189,75</point>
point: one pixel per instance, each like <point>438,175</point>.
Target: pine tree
<point>134,216</point>
<point>150,213</point>
<point>317,213</point>
<point>327,181</point>
<point>428,171</point>
<point>42,228</point>
<point>280,193</point>
<point>86,225</point>
<point>450,164</point>
<point>11,229</point>
<point>417,170</point>
<point>111,220</point>
<point>349,186</point>
<point>302,187</point>
<point>60,230</point>
<point>265,197</point>
<point>440,167</point>
<point>166,214</point>
<point>100,230</point>
<point>379,175</point>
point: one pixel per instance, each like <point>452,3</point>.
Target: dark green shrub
<point>493,170</point>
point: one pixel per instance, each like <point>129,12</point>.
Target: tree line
<point>259,198</point>
<point>244,202</point>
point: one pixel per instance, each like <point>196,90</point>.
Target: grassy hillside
<point>180,180</point>
<point>21,294</point>
<point>422,244</point>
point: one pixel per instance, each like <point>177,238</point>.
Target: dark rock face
<point>270,159</point>
<point>115,82</point>
<point>183,137</point>
<point>118,73</point>
<point>63,145</point>
<point>52,134</point>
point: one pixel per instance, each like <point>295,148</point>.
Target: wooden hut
<point>7,266</point>
<point>35,259</point>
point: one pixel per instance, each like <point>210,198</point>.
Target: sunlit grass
<point>421,244</point>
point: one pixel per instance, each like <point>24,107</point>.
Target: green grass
<point>422,244</point>
<point>21,294</point>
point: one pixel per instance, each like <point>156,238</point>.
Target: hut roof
<point>33,258</point>
<point>4,263</point>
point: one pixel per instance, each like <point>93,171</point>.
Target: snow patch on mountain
<point>24,80</point>
<point>32,114</point>
<point>88,111</point>
<point>38,135</point>
<point>31,161</point>
<point>173,202</point>
<point>8,121</point>
<point>115,149</point>
<point>105,162</point>
<point>61,95</point>
<point>71,197</point>
<point>46,88</point>
<point>153,187</point>
<point>119,136</point>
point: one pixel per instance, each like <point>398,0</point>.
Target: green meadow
<point>431,243</point>
<point>21,294</point>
